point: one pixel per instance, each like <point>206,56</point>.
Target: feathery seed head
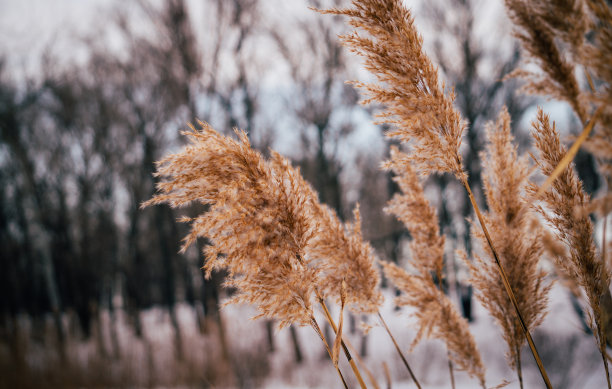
<point>415,103</point>
<point>259,220</point>
<point>559,205</point>
<point>344,256</point>
<point>505,177</point>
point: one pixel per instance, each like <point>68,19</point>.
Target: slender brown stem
<point>387,374</point>
<point>603,242</point>
<point>605,361</point>
<point>590,80</point>
<point>507,286</point>
<point>519,371</point>
<point>450,370</point>
<point>346,351</point>
<point>317,329</point>
<point>361,363</point>
<point>450,363</point>
<point>604,320</point>
<point>399,351</point>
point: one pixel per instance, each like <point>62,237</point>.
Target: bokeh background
<point>93,291</point>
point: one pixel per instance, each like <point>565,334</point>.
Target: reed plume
<point>505,178</point>
<point>537,25</point>
<point>421,114</point>
<point>280,245</point>
<point>342,255</point>
<point>412,208</point>
<point>258,220</point>
<point>575,229</point>
<point>547,29</point>
<point>597,57</point>
<point>436,314</point>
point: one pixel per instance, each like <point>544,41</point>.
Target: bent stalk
<point>507,286</point>
<point>317,329</point>
<point>346,351</point>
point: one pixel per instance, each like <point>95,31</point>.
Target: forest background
<point>91,95</point>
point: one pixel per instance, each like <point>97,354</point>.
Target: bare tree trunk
<point>17,147</point>
<point>112,328</point>
<point>363,351</point>
<point>270,335</point>
<point>297,351</point>
<point>98,332</point>
<point>53,294</point>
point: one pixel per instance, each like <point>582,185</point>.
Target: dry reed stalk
<point>347,268</point>
<point>257,221</point>
<point>317,329</point>
<point>571,153</point>
<point>584,29</point>
<point>348,355</point>
<point>387,374</point>
<point>539,26</point>
<point>505,179</point>
<point>362,364</point>
<point>399,350</point>
<point>575,229</point>
<point>338,331</point>
<point>413,209</point>
<point>451,369</point>
<point>424,117</point>
<point>508,288</point>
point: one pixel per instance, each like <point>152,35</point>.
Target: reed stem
<point>603,242</point>
<point>604,320</point>
<point>317,329</point>
<point>507,286</point>
<point>450,363</point>
<point>519,371</point>
<point>387,374</point>
<point>399,351</point>
<point>361,364</point>
<point>605,361</point>
<point>346,351</point>
<point>450,370</point>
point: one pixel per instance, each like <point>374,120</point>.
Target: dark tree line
<point>79,141</point>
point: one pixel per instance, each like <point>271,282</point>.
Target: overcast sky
<point>28,27</point>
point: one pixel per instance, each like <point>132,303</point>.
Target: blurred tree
<point>26,216</point>
<point>326,109</point>
<point>476,72</point>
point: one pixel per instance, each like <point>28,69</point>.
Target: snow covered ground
<point>570,356</point>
